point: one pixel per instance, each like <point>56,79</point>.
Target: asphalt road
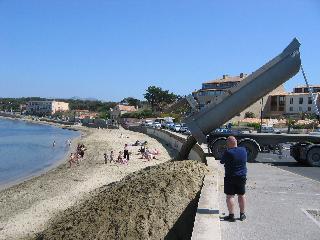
<point>286,162</point>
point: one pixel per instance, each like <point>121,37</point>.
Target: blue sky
<point>111,49</point>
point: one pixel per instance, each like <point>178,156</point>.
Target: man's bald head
<point>232,142</point>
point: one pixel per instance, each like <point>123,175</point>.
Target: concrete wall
<point>176,142</point>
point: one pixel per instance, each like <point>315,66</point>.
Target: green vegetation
<point>139,114</point>
<point>256,126</point>
<point>8,104</point>
<point>158,98</point>
<point>131,101</point>
<point>249,115</point>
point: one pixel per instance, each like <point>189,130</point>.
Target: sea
<point>26,149</point>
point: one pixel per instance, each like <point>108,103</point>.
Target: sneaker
<point>230,218</point>
<point>242,217</point>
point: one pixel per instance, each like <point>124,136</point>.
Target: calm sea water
<point>26,148</point>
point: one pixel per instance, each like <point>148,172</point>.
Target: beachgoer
<point>80,149</point>
<point>111,157</point>
<point>126,152</point>
<point>73,159</point>
<point>234,160</point>
<point>148,154</point>
<point>155,153</point>
<point>54,143</point>
<point>106,158</point>
<point>142,149</point>
<point>119,160</point>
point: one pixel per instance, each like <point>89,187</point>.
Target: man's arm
<point>224,157</point>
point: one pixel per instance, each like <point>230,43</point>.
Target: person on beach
<point>119,159</point>
<point>126,152</point>
<point>54,143</point>
<point>73,159</point>
<point>80,150</point>
<point>111,157</point>
<point>106,158</point>
<point>234,160</point>
<point>142,150</point>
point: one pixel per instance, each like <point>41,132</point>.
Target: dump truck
<point>201,122</point>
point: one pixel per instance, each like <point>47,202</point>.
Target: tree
<point>159,98</point>
<point>131,101</point>
<point>249,115</point>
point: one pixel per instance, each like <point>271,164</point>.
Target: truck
<point>202,122</point>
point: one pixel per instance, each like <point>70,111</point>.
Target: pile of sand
<point>154,203</point>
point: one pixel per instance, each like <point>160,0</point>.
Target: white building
<point>297,103</point>
<point>46,107</point>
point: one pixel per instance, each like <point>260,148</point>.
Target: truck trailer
<point>202,122</point>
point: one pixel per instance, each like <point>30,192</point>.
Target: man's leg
<point>230,203</point>
<point>242,205</point>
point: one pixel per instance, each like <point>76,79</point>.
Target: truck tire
<point>295,152</point>
<point>252,150</point>
<point>313,157</point>
<point>218,147</point>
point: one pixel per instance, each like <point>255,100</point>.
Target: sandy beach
<point>27,207</point>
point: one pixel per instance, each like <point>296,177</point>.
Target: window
<point>291,109</point>
<point>300,109</point>
<point>306,90</point>
<point>274,103</point>
<point>298,90</point>
<point>300,100</point>
<point>282,101</point>
<point>309,109</point>
<point>309,100</point>
<point>291,100</point>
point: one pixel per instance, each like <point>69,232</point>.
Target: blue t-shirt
<point>234,160</point>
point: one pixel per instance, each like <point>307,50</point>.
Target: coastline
<point>57,163</point>
<point>28,206</point>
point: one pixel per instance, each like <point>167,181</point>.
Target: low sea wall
<point>174,141</point>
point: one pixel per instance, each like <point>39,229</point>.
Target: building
<point>121,109</point>
<point>297,103</point>
<point>83,114</point>
<point>212,90</point>
<point>46,107</point>
<point>304,89</point>
<point>294,104</point>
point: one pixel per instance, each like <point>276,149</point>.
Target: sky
<point>112,49</point>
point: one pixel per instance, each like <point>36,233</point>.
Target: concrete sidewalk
<point>278,206</point>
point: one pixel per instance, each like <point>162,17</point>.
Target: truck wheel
<point>252,150</point>
<point>295,152</point>
<point>313,157</point>
<point>218,148</point>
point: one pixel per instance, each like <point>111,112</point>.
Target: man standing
<point>234,160</point>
